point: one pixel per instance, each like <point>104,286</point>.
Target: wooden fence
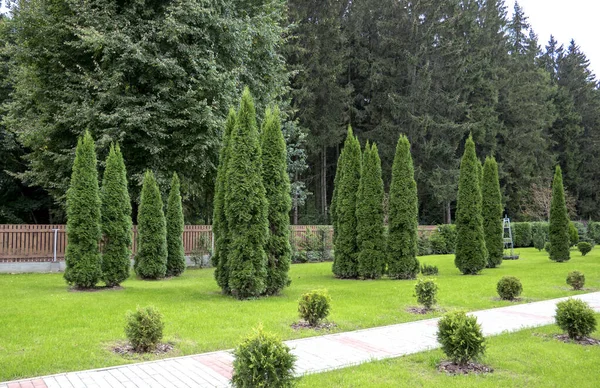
<point>39,243</point>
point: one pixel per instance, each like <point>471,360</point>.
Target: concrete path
<point>315,354</point>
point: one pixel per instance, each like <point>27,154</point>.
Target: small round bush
<point>584,247</point>
<point>576,280</point>
<point>262,360</point>
<point>429,270</point>
<point>144,328</point>
<point>576,318</point>
<point>547,247</point>
<point>461,337</point>
<point>509,287</point>
<point>426,291</point>
<point>314,306</point>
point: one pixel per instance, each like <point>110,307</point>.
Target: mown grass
<point>529,358</point>
<point>45,328</point>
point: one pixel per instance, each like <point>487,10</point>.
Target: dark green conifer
<point>369,216</point>
<point>246,207</point>
<point>277,187</point>
<point>220,227</point>
<point>151,258</point>
<point>116,220</point>
<point>559,221</point>
<point>82,256</point>
<point>403,216</point>
<point>345,264</point>
<point>175,224</point>
<point>491,211</point>
<point>333,207</point>
<point>471,254</point>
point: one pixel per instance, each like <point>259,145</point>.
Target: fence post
<point>55,241</point>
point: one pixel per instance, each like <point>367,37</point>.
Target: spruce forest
<point>159,79</point>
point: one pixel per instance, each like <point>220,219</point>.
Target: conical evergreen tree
<point>403,216</point>
<point>345,264</point>
<point>116,220</point>
<point>369,216</point>
<point>220,227</point>
<point>277,187</point>
<point>336,183</point>
<point>559,221</point>
<point>175,224</point>
<point>491,211</point>
<point>82,257</point>
<point>151,258</point>
<point>246,206</point>
<point>471,254</point>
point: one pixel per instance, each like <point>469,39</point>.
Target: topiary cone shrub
<point>262,360</point>
<point>584,247</point>
<point>175,226</point>
<point>576,318</point>
<point>509,287</point>
<point>559,236</point>
<point>144,328</point>
<point>314,306</point>
<point>426,292</point>
<point>461,337</point>
<point>576,280</point>
<point>491,210</point>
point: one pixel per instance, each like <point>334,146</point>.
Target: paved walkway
<point>315,354</point>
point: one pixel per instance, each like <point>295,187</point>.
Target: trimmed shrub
<point>314,306</point>
<point>559,221</point>
<point>581,230</point>
<point>461,337</point>
<point>584,247</point>
<point>144,328</point>
<point>423,246</point>
<point>263,360</point>
<point>576,280</point>
<point>82,257</point>
<point>573,234</point>
<point>429,270</point>
<point>369,214</point>
<point>471,254</point>
<point>426,292</point>
<point>509,287</point>
<point>547,247</point>
<point>593,231</point>
<point>345,264</point>
<point>151,258</point>
<point>175,225</point>
<point>491,210</point>
<point>443,239</point>
<point>522,234</point>
<point>277,188</point>
<point>539,240</point>
<point>403,216</point>
<point>575,317</point>
<point>540,228</point>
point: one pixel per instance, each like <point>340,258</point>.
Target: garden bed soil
<point>585,341</point>
<point>423,310</point>
<point>125,349</point>
<point>96,289</point>
<point>452,368</point>
<point>321,326</point>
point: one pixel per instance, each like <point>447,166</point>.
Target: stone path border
<point>315,354</point>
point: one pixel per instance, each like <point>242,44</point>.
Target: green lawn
<point>529,358</point>
<point>44,328</point>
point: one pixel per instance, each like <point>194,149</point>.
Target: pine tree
<point>246,206</point>
<point>220,227</point>
<point>277,187</point>
<point>345,264</point>
<point>471,254</point>
<point>559,221</point>
<point>491,210</point>
<point>175,224</point>
<point>403,216</point>
<point>369,215</point>
<point>151,258</point>
<point>82,256</point>
<point>116,220</point>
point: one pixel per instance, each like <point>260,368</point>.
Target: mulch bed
<point>96,289</point>
<point>321,326</point>
<point>423,310</point>
<point>580,341</point>
<point>125,349</point>
<point>452,368</point>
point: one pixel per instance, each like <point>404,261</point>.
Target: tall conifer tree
<point>559,221</point>
<point>82,256</point>
<point>175,225</point>
<point>491,210</point>
<point>403,216</point>
<point>116,220</point>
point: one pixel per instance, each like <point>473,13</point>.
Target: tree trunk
<point>448,213</point>
<point>295,203</point>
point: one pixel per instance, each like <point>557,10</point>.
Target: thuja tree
<point>559,221</point>
<point>345,264</point>
<point>491,210</point>
<point>151,258</point>
<point>246,207</point>
<point>369,216</point>
<point>403,216</point>
<point>471,254</point>
<point>116,220</point>
<point>277,187</point>
<point>336,184</point>
<point>220,227</point>
<point>175,251</point>
<point>82,257</point>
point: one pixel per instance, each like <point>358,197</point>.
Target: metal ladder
<point>507,238</point>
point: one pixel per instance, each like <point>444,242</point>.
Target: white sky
<point>566,20</point>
